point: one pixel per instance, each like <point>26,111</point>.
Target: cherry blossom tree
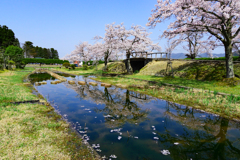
<point>135,39</point>
<point>194,46</point>
<point>82,51</point>
<point>218,18</point>
<point>171,45</point>
<point>69,57</point>
<point>96,52</point>
<point>109,42</point>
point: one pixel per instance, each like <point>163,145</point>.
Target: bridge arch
<point>139,59</point>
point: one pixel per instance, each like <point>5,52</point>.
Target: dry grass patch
<point>12,88</point>
<point>28,133</point>
<point>7,73</point>
<point>152,68</point>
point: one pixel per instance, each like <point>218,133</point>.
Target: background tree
<point>28,49</point>
<point>134,39</point>
<point>7,37</point>
<point>218,18</point>
<point>32,51</point>
<point>110,41</point>
<point>236,49</point>
<point>39,51</point>
<point>171,45</point>
<point>2,60</point>
<point>81,52</point>
<point>46,53</point>
<point>194,44</point>
<point>117,39</point>
<point>14,53</point>
<point>97,51</point>
<point>54,53</point>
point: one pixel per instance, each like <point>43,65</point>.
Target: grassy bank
<point>12,88</point>
<point>33,131</point>
<point>113,67</point>
<point>227,106</point>
<point>77,70</point>
<point>206,85</point>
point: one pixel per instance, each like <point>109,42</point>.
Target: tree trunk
<point>105,61</point>
<point>96,64</point>
<point>129,67</point>
<point>222,142</point>
<point>229,61</point>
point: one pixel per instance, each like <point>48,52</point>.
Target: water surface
<point>134,126</point>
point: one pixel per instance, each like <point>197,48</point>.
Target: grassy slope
<point>209,85</point>
<point>33,131</point>
<point>201,75</point>
<point>154,67</point>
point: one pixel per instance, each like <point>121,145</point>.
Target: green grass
<point>206,85</point>
<point>235,58</point>
<point>33,131</point>
<point>12,88</point>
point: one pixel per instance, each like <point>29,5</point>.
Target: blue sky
<point>62,24</point>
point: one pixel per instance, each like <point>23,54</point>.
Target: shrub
<point>1,60</point>
<point>10,64</point>
<point>136,71</point>
<point>91,62</point>
<point>20,65</point>
<point>91,67</point>
<point>44,61</point>
<point>66,64</point>
<point>73,66</point>
<point>85,67</point>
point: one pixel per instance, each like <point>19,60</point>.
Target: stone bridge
<point>139,59</point>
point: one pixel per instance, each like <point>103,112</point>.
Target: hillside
<point>206,71</point>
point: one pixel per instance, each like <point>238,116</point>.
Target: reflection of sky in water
<point>184,132</point>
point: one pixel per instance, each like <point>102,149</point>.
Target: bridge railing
<point>148,55</point>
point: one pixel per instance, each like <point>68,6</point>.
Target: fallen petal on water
<point>113,156</point>
<point>165,152</point>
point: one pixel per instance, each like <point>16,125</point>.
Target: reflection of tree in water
<point>119,108</point>
<point>38,77</point>
<point>205,138</point>
<point>122,110</point>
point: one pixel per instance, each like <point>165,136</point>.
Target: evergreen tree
<point>45,53</point>
<point>54,53</point>
<point>7,37</point>
<point>28,49</point>
<point>40,52</point>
